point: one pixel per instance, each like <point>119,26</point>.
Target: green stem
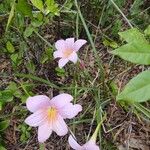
<point>49,44</point>
<point>91,40</point>
<point>42,146</point>
<point>121,13</point>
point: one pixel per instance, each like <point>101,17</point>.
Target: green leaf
<point>6,96</point>
<point>147,31</point>
<point>2,148</point>
<point>38,4</point>
<point>112,44</point>
<point>134,52</point>
<point>10,47</point>
<point>52,7</point>
<point>137,50</point>
<point>133,35</point>
<point>11,14</point>
<point>14,89</point>
<point>24,8</point>
<point>31,66</point>
<point>137,90</point>
<point>28,31</point>
<point>4,124</point>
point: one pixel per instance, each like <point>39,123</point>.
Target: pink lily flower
<point>49,115</point>
<point>67,50</point>
<point>90,145</point>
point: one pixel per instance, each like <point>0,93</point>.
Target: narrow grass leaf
<point>11,15</point>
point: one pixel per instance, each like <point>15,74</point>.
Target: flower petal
<point>78,44</point>
<point>44,132</point>
<point>58,54</point>
<point>69,111</point>
<point>62,62</point>
<point>73,143</point>
<point>69,43</point>
<point>37,102</point>
<point>61,100</point>
<point>60,45</point>
<point>60,127</point>
<point>73,57</point>
<point>91,145</point>
<point>36,118</point>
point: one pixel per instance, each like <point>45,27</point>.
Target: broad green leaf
<point>4,124</point>
<point>10,15</point>
<point>137,90</point>
<point>134,52</point>
<point>38,4</point>
<point>10,47</point>
<point>24,8</point>
<point>133,35</point>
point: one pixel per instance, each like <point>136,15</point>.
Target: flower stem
<point>42,146</point>
<point>94,136</point>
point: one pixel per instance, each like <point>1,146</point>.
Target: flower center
<point>52,114</point>
<point>67,53</point>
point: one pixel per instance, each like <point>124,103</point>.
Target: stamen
<point>67,53</point>
<point>52,114</point>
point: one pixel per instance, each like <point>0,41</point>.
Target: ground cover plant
<point>74,74</point>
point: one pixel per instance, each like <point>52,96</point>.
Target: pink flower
<point>67,50</point>
<point>49,114</point>
<point>90,145</point>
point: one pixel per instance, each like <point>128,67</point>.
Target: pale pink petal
<point>73,143</point>
<point>36,118</point>
<point>60,45</point>
<point>69,111</point>
<point>61,100</point>
<point>62,62</point>
<point>78,44</point>
<point>69,43</point>
<point>44,132</point>
<point>58,54</point>
<point>37,102</point>
<point>59,126</point>
<point>73,57</point>
<point>91,145</point>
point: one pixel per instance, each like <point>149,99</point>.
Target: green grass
<point>95,87</point>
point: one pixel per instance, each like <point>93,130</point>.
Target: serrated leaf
<point>137,90</point>
<point>24,8</point>
<point>133,35</point>
<point>135,53</point>
<point>4,124</point>
<point>38,4</point>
